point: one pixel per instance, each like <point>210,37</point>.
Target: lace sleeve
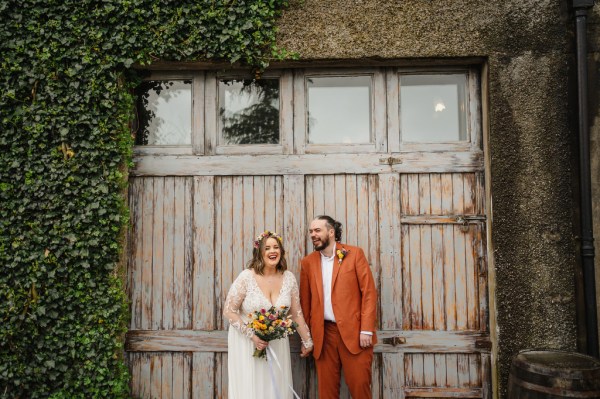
<point>233,302</point>
<point>298,317</point>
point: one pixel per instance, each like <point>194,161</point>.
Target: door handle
<point>394,341</point>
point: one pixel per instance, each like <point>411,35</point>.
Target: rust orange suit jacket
<point>353,296</point>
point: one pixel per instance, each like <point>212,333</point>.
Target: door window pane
<point>249,111</point>
<point>433,108</point>
<point>339,109</point>
<point>164,112</point>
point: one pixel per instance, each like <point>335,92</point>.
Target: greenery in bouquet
<point>271,324</point>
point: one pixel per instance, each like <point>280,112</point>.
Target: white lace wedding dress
<point>249,377</point>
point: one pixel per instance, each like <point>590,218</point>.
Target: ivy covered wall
<point>65,106</point>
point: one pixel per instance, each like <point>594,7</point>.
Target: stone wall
<point>532,112</point>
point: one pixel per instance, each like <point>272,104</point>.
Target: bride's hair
<point>257,262</point>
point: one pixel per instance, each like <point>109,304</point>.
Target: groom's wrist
<point>367,332</point>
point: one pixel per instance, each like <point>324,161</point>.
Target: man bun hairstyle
<point>332,224</point>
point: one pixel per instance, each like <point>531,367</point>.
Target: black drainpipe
<point>587,235</point>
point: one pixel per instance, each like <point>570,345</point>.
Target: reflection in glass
<point>339,109</point>
<point>164,112</point>
<point>249,111</point>
<point>433,108</point>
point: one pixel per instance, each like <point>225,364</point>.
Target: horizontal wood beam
<point>443,392</point>
<point>227,165</point>
<point>389,341</point>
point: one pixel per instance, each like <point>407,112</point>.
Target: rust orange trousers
<point>335,357</point>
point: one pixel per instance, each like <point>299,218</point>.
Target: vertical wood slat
<point>203,275</point>
<point>221,377</point>
<point>418,376</point>
<point>249,228</point>
<point>379,113</point>
<point>486,376</point>
<point>452,370</point>
<point>210,113</point>
<point>391,280</point>
<point>146,317</point>
<point>300,130</point>
<point>463,370</point>
<point>407,295</point>
<point>145,375</point>
<point>181,303</point>
<point>198,117</point>
<point>167,387</point>
<point>170,249</point>
<point>293,220</point>
<point>393,376</point>
<point>427,282</point>
<point>435,201</point>
<point>287,112</point>
<point>220,290</point>
<point>259,204</point>
<point>157,253</point>
<point>440,370</point>
<point>481,267</point>
<point>239,249</point>
<point>471,253</point>
<point>203,375</point>
<point>279,199</point>
<point>136,247</point>
<point>437,258</point>
<point>352,211</point>
<point>270,203</point>
<point>393,110</point>
<point>329,205</point>
<point>460,282</point>
<point>225,239</point>
<point>340,203</point>
<point>429,371</point>
<point>449,277</point>
<point>416,309</point>
<point>373,232</point>
<point>189,254</point>
<point>155,374</point>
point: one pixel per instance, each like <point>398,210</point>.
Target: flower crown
<point>264,234</point>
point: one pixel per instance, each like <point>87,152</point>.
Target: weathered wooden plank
<point>406,278</point>
<point>481,268</point>
<point>376,383</point>
<point>418,373</point>
<point>435,219</point>
<point>210,120</point>
<point>249,230</point>
<point>391,282</point>
<point>379,112</point>
<point>424,194</point>
<point>475,370</point>
<point>240,248</point>
<point>221,377</point>
<point>486,376</point>
<point>203,275</point>
<point>416,309</point>
<point>136,195</point>
<point>198,117</point>
<point>309,202</point>
<point>203,375</point>
<point>293,220</point>
<point>469,194</point>
<point>435,181</point>
<point>188,250</point>
<point>458,197</point>
<point>145,375</point>
<point>352,211</point>
<point>340,202</point>
<point>300,376</point>
<point>460,281</point>
<point>270,203</point>
<point>440,370</point>
<point>225,239</point>
<point>279,203</point>
<point>429,371</point>
<point>472,279</point>
<point>147,212</point>
<point>303,164</point>
<point>413,201</point>
<point>300,128</point>
<point>409,379</point>
<point>393,110</point>
<point>393,375</point>
<point>259,204</point>
<point>452,370</point>
<point>286,110</point>
<point>447,194</point>
<point>329,201</point>
<point>216,341</point>
<point>463,370</point>
<point>437,259</point>
<point>179,372</point>
<point>220,290</point>
<point>135,369</point>
<point>166,384</point>
<point>443,393</point>
<point>168,252</point>
<point>449,276</point>
<point>427,288</point>
<point>179,258</point>
<point>155,375</point>
<point>373,231</point>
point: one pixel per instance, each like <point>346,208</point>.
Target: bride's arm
<point>233,302</point>
<point>298,317</point>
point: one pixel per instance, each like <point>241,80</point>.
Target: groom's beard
<point>324,244</point>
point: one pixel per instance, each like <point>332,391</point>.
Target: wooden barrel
<point>552,374</point>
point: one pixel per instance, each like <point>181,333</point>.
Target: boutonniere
<point>341,253</point>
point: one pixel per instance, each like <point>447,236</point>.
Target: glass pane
<point>339,110</point>
<point>249,111</point>
<point>433,108</point>
<point>164,113</point>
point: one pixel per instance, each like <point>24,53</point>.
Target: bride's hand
<point>259,343</point>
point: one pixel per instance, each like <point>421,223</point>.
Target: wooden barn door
<point>418,212</point>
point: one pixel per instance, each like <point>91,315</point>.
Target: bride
<point>265,283</point>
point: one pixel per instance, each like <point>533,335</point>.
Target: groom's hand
<point>366,340</point>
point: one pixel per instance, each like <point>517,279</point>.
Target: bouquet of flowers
<point>271,324</point>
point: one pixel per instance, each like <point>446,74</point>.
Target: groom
<point>339,301</point>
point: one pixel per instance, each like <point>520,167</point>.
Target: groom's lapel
<point>336,265</point>
<point>318,273</point>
